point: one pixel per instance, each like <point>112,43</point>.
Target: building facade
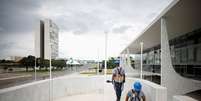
<point>47,39</point>
<point>172,47</point>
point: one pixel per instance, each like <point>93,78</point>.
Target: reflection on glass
<point>186,54</point>
<point>151,64</point>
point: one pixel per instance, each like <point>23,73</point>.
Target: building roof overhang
<point>181,17</point>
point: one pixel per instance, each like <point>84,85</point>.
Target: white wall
<point>77,85</point>
<point>66,86</point>
<point>37,91</point>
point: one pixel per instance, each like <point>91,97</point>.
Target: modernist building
<point>46,39</point>
<point>172,47</point>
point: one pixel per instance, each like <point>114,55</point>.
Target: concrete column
<point>121,60</point>
<point>124,59</point>
<point>175,84</point>
<point>128,58</point>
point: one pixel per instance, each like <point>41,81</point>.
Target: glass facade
<point>152,64</point>
<point>186,54</point>
<point>151,61</point>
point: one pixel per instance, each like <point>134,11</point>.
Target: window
<point>186,54</point>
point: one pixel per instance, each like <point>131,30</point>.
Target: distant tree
<point>28,62</point>
<point>42,63</point>
<point>24,62</point>
<point>38,63</point>
<point>59,64</point>
<point>110,63</point>
<point>2,61</point>
<point>31,61</point>
<point>6,61</point>
<point>45,63</point>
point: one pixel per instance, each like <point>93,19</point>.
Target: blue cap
<point>137,86</point>
<point>117,61</point>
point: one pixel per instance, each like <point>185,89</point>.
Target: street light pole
<point>105,70</point>
<point>98,63</point>
<point>50,70</point>
<point>141,63</point>
<point>35,64</point>
<point>35,69</point>
<point>50,64</point>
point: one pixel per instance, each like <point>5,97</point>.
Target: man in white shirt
<point>118,79</point>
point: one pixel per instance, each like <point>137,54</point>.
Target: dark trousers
<point>118,89</point>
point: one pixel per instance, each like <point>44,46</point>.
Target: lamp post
<point>35,68</point>
<point>35,65</point>
<point>141,62</point>
<point>50,73</point>
<point>106,39</point>
<point>105,66</point>
<point>98,63</point>
<point>50,65</point>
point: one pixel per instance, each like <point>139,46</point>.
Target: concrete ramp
<point>83,97</point>
<point>79,88</point>
<point>107,95</point>
<point>152,91</point>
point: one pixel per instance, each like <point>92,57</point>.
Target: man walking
<point>118,79</point>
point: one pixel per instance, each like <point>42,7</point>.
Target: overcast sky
<point>82,24</point>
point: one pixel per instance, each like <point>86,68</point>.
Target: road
<point>14,79</point>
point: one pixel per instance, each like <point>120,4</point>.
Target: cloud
<point>83,22</point>
<point>122,29</point>
<point>78,16</point>
<point>16,45</point>
<point>6,45</point>
<point>18,15</point>
<point>1,29</point>
<point>18,19</point>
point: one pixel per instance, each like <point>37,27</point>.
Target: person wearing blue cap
<point>136,94</point>
<point>118,79</point>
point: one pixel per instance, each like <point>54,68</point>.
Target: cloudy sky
<point>82,24</point>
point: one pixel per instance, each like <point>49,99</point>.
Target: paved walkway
<point>83,97</point>
<point>107,95</point>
